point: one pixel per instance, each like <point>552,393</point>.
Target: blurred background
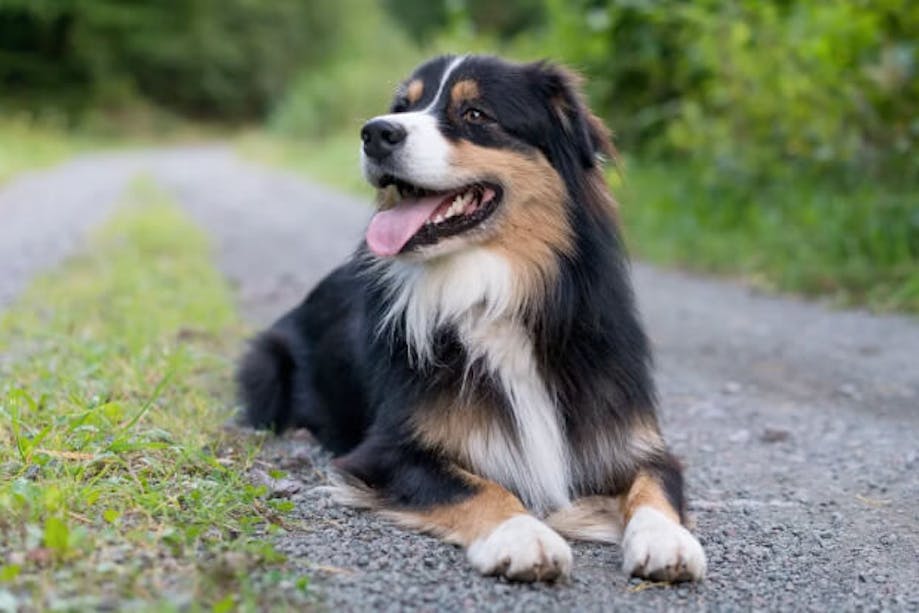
<point>769,141</point>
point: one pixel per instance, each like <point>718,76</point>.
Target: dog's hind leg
<point>265,382</point>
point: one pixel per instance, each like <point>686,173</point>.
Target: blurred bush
<point>226,59</point>
<point>357,80</point>
<point>747,87</point>
<point>424,21</point>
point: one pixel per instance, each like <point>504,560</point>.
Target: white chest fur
<point>475,291</point>
<point>535,464</point>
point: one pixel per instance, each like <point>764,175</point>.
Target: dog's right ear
<point>586,136</point>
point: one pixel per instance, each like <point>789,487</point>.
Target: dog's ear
<point>584,133</point>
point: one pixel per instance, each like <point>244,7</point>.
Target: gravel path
<point>798,424</point>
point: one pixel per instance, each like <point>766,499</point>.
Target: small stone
<point>277,488</point>
<point>732,387</point>
<point>849,391</point>
<point>299,459</point>
<point>775,435</point>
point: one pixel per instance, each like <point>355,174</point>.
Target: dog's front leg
<point>423,490</point>
<point>499,536</point>
<point>655,544</point>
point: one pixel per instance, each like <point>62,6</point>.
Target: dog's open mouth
<point>422,217</point>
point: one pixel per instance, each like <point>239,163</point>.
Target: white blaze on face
<point>424,159</point>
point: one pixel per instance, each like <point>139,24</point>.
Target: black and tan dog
<point>478,367</point>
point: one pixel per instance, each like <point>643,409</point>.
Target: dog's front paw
<point>657,548</point>
<point>522,549</point>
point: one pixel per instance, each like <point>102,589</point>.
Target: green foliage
<point>372,57</point>
<point>117,482</point>
<point>424,21</point>
<point>25,145</point>
<point>855,241</point>
<point>419,19</point>
<point>223,58</point>
<point>748,87</point>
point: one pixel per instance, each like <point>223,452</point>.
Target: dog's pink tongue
<point>389,230</point>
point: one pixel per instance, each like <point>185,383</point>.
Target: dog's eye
<point>474,116</point>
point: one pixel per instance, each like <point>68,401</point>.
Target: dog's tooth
<point>439,218</point>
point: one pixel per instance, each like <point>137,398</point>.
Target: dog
<point>477,367</point>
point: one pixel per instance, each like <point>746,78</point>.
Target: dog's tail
<point>265,382</point>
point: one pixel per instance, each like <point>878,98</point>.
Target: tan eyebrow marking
<point>414,91</point>
<point>467,89</point>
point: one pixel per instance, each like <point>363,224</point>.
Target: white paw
<point>655,547</point>
<point>523,549</point>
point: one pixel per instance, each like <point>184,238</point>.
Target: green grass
<point>26,145</point>
<point>857,244</point>
<point>118,484</point>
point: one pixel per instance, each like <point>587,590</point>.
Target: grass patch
<point>857,244</point>
<point>118,486</point>
<point>25,145</point>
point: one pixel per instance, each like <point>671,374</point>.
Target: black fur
<point>328,366</point>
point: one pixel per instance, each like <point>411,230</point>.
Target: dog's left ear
<point>581,128</point>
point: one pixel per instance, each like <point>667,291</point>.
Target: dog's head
<point>476,150</point>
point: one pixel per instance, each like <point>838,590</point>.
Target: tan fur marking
<point>467,89</point>
<point>445,428</point>
<point>592,518</point>
<point>647,492</point>
<point>468,520</point>
<point>531,226</point>
<point>414,91</point>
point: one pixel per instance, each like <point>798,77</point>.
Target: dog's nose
<point>381,138</point>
